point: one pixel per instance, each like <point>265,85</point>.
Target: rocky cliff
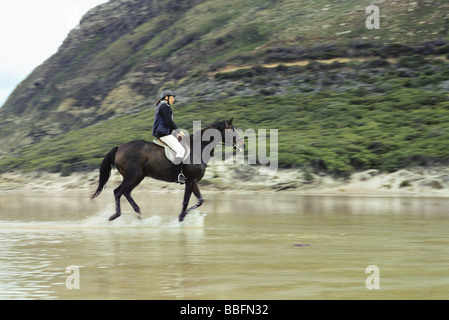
<point>99,70</point>
<point>125,51</point>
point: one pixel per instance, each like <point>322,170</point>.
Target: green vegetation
<point>389,121</point>
<point>382,103</point>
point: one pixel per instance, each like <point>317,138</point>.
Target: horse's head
<point>230,136</point>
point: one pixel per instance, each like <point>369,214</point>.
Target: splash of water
<point>100,220</point>
<point>195,219</point>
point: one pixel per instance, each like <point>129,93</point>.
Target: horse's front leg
<point>185,203</point>
<point>197,193</point>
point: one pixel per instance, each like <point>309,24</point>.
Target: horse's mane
<point>219,125</point>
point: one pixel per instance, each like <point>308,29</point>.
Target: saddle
<point>170,153</point>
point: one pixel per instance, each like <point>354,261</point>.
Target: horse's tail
<point>105,170</point>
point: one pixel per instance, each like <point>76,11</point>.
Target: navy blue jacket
<point>163,120</point>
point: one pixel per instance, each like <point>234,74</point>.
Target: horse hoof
<point>181,218</point>
<point>113,217</point>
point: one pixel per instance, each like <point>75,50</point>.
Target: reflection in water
<point>235,247</point>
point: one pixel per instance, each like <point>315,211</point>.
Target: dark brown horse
<point>138,159</point>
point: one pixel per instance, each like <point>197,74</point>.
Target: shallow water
<point>274,246</point>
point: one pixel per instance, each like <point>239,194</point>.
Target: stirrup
<point>181,179</point>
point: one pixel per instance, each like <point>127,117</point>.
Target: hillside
<point>342,97</point>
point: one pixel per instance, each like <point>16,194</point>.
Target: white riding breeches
<point>175,145</point>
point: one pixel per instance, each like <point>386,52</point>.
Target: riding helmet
<point>167,93</point>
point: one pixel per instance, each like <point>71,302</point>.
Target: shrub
<point>404,184</point>
<point>414,61</point>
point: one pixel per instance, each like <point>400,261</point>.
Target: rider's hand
<point>180,135</point>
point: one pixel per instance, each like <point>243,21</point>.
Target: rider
<point>164,126</point>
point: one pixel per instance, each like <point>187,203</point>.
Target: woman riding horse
<point>163,128</point>
<point>138,159</point>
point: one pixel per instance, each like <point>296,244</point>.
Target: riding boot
<point>177,173</point>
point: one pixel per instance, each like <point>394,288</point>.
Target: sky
<point>30,32</point>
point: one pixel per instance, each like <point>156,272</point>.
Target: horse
<point>138,159</point>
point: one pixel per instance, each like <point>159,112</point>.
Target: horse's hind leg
<point>125,188</point>
<point>117,194</point>
<point>131,201</point>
